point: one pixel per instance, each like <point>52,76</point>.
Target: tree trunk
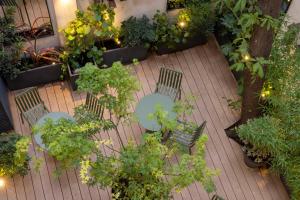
<point>260,46</point>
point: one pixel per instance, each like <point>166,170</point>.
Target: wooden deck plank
<point>206,75</point>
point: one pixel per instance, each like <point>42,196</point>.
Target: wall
<point>294,13</point>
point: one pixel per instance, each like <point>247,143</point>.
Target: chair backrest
<point>28,99</point>
<point>198,132</point>
<point>189,139</point>
<point>93,105</point>
<point>169,79</point>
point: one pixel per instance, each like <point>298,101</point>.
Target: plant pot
<point>5,113</point>
<point>285,184</point>
<point>36,76</point>
<point>124,54</point>
<point>191,42</point>
<point>252,164</point>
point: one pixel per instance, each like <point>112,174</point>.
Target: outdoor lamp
<point>2,183</point>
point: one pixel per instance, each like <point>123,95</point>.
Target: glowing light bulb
<point>247,57</point>
<point>182,24</point>
<point>2,183</point>
<point>65,1</point>
<point>53,63</point>
<point>118,41</point>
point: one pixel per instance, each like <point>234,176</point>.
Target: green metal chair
<point>186,139</point>
<point>31,106</point>
<point>169,83</point>
<point>92,105</point>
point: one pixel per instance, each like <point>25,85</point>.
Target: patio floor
<point>206,75</point>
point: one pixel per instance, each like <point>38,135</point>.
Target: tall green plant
<point>139,172</point>
<point>11,44</point>
<point>115,87</point>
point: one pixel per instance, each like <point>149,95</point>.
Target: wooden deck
<point>206,75</point>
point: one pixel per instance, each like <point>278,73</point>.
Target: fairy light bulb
<point>2,183</point>
<point>182,24</point>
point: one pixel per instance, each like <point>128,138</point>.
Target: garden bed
<point>123,54</point>
<point>36,76</point>
<point>191,42</point>
<point>5,113</point>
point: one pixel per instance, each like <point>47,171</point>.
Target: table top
<point>147,106</point>
<point>55,116</point>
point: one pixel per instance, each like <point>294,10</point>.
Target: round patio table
<point>147,106</point>
<point>55,116</point>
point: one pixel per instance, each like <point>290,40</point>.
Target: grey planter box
<point>6,122</point>
<point>124,54</point>
<point>36,76</point>
<point>191,42</point>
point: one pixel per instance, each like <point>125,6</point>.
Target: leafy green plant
<point>14,158</point>
<point>68,141</point>
<point>83,33</point>
<point>115,87</point>
<point>137,32</point>
<point>197,18</point>
<point>11,45</point>
<point>139,172</point>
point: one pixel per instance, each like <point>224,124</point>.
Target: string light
<point>118,41</point>
<point>246,57</point>
<point>2,183</point>
<point>53,63</point>
<point>182,24</point>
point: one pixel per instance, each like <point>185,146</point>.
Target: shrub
<point>82,34</point>
<point>68,141</point>
<point>14,157</point>
<point>137,32</point>
<point>11,45</point>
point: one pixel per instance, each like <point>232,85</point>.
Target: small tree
<point>115,87</point>
<point>143,171</point>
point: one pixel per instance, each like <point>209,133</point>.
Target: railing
<point>31,17</point>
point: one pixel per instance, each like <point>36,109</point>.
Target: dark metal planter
<point>36,76</point>
<point>124,54</point>
<point>6,122</point>
<point>191,42</point>
<point>250,163</point>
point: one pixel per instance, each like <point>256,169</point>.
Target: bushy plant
<point>14,158</point>
<point>82,34</point>
<point>197,18</point>
<point>68,141</point>
<point>137,32</point>
<point>11,45</point>
<point>139,171</point>
<point>278,132</point>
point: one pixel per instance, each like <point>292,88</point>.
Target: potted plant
<point>92,37</point>
<point>14,157</point>
<point>25,68</point>
<point>190,27</point>
<point>136,36</point>
<point>140,171</point>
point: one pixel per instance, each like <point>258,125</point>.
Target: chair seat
<point>183,138</point>
<point>35,113</point>
<point>169,91</point>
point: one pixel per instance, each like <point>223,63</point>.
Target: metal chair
<point>92,105</point>
<point>169,83</point>
<point>186,139</point>
<point>31,106</point>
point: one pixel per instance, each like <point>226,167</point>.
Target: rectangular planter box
<point>36,76</point>
<point>6,123</point>
<point>124,54</point>
<point>194,41</point>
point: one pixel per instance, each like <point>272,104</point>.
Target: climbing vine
<point>241,17</point>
